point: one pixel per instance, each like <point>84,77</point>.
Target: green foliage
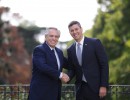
<point>112,26</point>
<point>121,69</point>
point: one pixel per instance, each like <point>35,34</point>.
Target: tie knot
<point>53,50</point>
<point>78,44</point>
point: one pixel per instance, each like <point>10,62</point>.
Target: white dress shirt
<point>81,46</point>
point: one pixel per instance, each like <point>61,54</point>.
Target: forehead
<point>74,26</point>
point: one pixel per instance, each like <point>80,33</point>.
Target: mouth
<point>53,42</point>
<point>75,35</point>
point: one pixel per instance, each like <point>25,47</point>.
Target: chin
<point>52,45</point>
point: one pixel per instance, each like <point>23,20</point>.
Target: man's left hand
<point>102,92</point>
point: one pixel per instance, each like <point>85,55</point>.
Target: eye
<point>56,36</point>
<point>76,29</point>
<point>71,30</point>
<point>51,36</point>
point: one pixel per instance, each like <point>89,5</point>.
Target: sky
<point>55,13</point>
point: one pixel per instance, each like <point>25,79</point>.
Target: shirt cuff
<point>61,74</point>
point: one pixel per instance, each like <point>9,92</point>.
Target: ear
<point>81,29</point>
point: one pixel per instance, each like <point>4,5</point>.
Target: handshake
<point>65,78</point>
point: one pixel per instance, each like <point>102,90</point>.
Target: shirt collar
<point>50,47</point>
<point>81,42</point>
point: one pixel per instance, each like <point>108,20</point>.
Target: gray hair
<point>49,28</point>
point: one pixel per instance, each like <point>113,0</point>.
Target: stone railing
<point>20,92</point>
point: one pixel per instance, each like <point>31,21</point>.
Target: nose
<point>74,31</point>
<point>54,37</point>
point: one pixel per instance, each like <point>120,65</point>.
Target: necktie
<point>79,54</point>
<point>55,57</point>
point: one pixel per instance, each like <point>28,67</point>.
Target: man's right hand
<point>65,78</point>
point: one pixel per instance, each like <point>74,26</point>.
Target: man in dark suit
<point>47,74</point>
<point>89,64</point>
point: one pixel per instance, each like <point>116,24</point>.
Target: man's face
<point>76,32</point>
<point>52,37</point>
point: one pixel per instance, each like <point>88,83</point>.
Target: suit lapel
<point>47,48</point>
<point>84,52</point>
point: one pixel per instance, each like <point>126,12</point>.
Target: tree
<point>15,53</point>
<point>113,28</point>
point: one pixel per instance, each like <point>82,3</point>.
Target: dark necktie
<point>54,57</point>
<point>79,54</point>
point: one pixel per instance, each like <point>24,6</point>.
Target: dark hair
<point>74,22</point>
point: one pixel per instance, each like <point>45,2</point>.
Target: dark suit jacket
<point>94,64</point>
<point>45,83</point>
